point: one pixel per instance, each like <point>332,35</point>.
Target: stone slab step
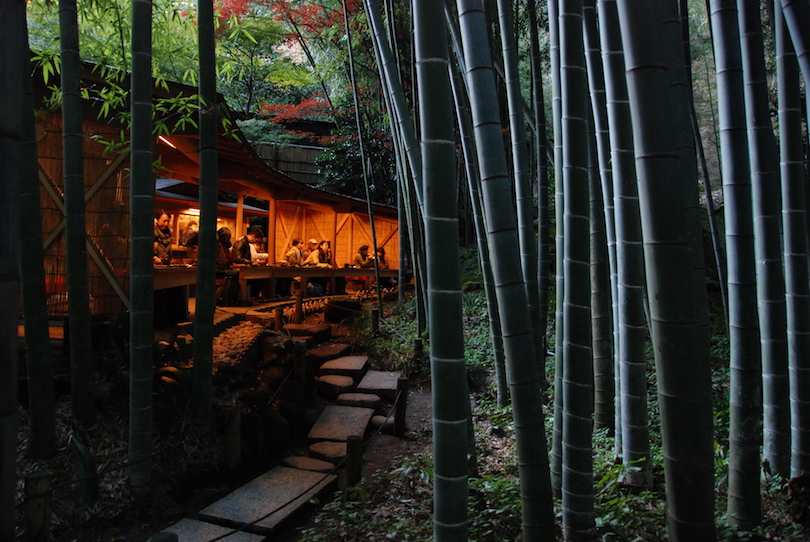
<point>308,463</point>
<point>333,452</point>
<point>192,530</point>
<point>341,422</point>
<point>325,352</point>
<point>366,400</point>
<point>381,383</point>
<point>331,386</point>
<point>353,366</point>
<point>320,332</point>
<point>267,500</point>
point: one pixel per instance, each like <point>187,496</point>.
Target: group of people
<point>247,250</point>
<point>313,254</point>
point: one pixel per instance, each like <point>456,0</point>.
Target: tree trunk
<point>202,391</point>
<point>41,395</point>
<point>784,400</point>
<point>14,72</point>
<point>524,384</point>
<point>631,411</point>
<point>682,362</point>
<point>451,400</point>
<point>81,359</point>
<point>524,197</point>
<point>141,251</point>
<point>579,522</point>
<point>605,317</point>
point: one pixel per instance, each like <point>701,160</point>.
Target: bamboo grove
<point>615,177</point>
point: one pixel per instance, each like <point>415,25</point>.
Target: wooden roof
<point>241,170</point>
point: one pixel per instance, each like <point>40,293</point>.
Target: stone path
<point>265,502</point>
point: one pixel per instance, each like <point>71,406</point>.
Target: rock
<point>353,366</point>
<point>331,451</point>
<point>325,352</point>
<point>308,463</point>
<point>384,422</point>
<point>331,386</point>
<point>366,400</point>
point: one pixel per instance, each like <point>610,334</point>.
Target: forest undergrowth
<point>397,504</point>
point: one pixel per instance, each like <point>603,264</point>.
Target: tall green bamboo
<point>202,391</point>
<point>14,71</point>
<point>450,398</point>
<point>559,270</point>
<point>407,135</point>
<point>796,16</point>
<point>524,384</point>
<point>769,271</point>
<point>579,522</point>
<point>779,391</point>
<point>41,396</point>
<point>605,314</point>
<point>81,361</point>
<point>141,205</point>
<point>524,197</point>
<point>743,502</point>
<point>464,119</point>
<point>682,363</point>
<point>632,416</point>
<point>540,144</point>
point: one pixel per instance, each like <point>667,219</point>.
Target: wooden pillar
<point>354,460</point>
<point>271,235</point>
<point>240,216</point>
<point>400,407</point>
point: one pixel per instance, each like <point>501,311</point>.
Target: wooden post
<point>279,312</point>
<point>401,407</point>
<point>375,321</point>
<point>240,217</point>
<point>299,303</point>
<point>271,236</point>
<point>354,460</point>
<point>233,437</point>
<point>37,507</point>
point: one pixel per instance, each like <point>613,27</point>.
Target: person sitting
<point>162,241</point>
<point>294,258</point>
<point>228,291</point>
<point>319,257</point>
<point>310,247</point>
<point>241,248</point>
<point>169,305</point>
<point>381,263</point>
<point>362,260</point>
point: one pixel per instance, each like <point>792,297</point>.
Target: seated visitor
<point>241,248</point>
<point>319,257</point>
<point>162,239</point>
<point>362,258</point>
<point>294,257</point>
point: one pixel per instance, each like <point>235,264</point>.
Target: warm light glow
<point>166,141</point>
<point>195,212</point>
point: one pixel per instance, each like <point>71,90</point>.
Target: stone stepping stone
<point>366,400</point>
<point>275,494</point>
<point>383,422</point>
<point>308,463</point>
<point>321,332</point>
<point>328,450</point>
<point>325,352</point>
<point>353,366</point>
<point>191,530</point>
<point>341,422</point>
<point>331,386</point>
<point>381,383</point>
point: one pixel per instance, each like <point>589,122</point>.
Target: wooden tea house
<point>251,193</point>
